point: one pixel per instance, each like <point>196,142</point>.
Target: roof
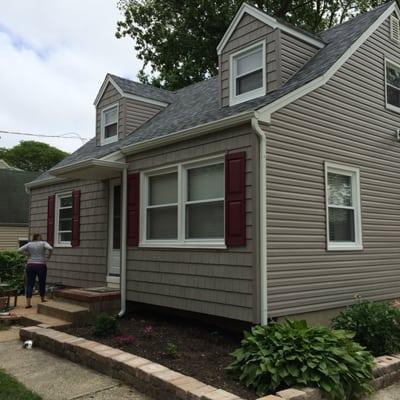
<point>199,104</point>
<point>14,201</point>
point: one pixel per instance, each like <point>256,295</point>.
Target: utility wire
<point>69,135</point>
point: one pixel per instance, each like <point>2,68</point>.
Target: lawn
<point>12,389</point>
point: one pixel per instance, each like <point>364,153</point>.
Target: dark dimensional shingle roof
<point>199,103</point>
<point>14,201</point>
<point>138,89</point>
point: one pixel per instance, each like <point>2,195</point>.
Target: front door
<point>114,232</point>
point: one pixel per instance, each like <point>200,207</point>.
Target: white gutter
<point>123,242</point>
<point>263,218</point>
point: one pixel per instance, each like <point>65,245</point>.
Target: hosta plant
<point>293,354</point>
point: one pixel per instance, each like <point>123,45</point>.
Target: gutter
<point>263,217</point>
<point>122,281</point>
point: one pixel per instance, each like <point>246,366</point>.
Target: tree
<point>178,39</point>
<point>33,156</point>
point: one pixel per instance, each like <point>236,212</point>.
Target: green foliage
<point>12,389</point>
<point>171,350</point>
<point>33,156</point>
<point>12,268</point>
<point>106,325</point>
<point>293,354</point>
<point>178,40</point>
<point>376,325</point>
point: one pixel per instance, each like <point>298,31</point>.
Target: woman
<point>38,252</point>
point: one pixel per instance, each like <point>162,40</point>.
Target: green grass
<point>3,327</point>
<point>12,389</point>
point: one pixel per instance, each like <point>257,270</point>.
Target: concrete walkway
<point>55,378</point>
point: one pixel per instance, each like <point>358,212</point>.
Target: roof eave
<point>188,133</point>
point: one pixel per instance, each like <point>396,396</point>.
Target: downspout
<point>122,282</point>
<point>263,217</point>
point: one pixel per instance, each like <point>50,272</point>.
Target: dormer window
<point>109,124</point>
<point>392,86</point>
<point>248,79</point>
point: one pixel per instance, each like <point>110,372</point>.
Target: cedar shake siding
<point>344,122</point>
<point>85,265</point>
<point>217,282</point>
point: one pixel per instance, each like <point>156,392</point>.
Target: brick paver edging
<point>162,382</point>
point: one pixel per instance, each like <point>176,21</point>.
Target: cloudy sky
<point>54,55</point>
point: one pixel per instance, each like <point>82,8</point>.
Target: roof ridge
<point>143,84</point>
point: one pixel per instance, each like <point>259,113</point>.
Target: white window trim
<point>112,139</point>
<point>390,106</point>
<point>355,174</point>
<point>57,222</point>
<point>181,241</point>
<point>236,99</point>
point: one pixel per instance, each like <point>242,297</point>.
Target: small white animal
<point>27,344</point>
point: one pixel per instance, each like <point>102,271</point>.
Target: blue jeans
<point>31,271</point>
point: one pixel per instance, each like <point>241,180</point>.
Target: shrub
<point>292,354</point>
<point>376,325</point>
<point>171,350</point>
<point>12,268</point>
<point>106,325</point>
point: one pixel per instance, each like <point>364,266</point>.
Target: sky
<point>54,55</point>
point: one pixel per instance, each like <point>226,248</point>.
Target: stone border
<point>157,380</point>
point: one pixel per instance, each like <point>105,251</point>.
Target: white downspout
<point>122,282</point>
<point>263,217</point>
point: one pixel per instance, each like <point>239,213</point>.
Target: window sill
<point>103,142</point>
<point>62,245</point>
<point>344,247</point>
<point>186,245</point>
<point>393,108</point>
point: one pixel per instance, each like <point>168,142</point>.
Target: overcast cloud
<point>54,55</point>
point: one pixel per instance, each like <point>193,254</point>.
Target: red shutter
<point>51,200</point>
<point>235,199</point>
<point>133,209</point>
<point>76,218</point>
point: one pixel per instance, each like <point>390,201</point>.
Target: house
<point>271,190</point>
<point>14,205</point>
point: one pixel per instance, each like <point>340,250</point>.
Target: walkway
<point>55,378</point>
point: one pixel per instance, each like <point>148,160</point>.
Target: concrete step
<point>64,311</point>
<point>38,319</point>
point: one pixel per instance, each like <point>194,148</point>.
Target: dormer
<point>258,54</point>
<point>122,106</point>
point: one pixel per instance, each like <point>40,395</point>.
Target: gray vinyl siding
<point>345,122</point>
<point>85,265</point>
<point>249,31</point>
<point>294,54</point>
<point>137,113</point>
<point>110,97</point>
<point>216,282</point>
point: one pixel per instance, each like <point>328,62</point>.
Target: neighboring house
<point>270,190</point>
<point>14,206</point>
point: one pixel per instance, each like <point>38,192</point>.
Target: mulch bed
<point>188,347</point>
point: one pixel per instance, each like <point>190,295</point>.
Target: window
<point>248,74</point>
<point>64,220</point>
<point>392,86</point>
<point>343,208</point>
<point>184,205</point>
<point>109,125</point>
